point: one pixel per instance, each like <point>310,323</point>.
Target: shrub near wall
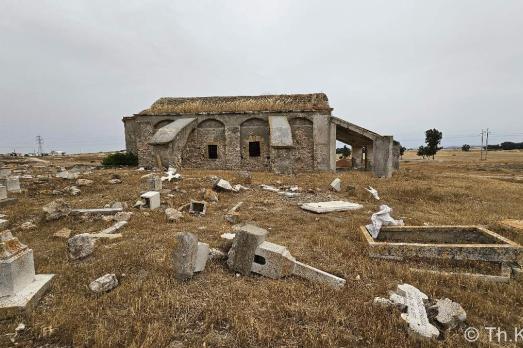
<point>120,159</point>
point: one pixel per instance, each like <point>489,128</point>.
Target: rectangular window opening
<point>212,151</point>
<point>254,149</point>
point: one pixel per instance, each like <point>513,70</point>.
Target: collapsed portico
<point>282,133</point>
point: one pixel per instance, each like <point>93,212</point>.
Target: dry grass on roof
<point>302,102</point>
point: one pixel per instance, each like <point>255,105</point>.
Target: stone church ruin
<point>280,133</point>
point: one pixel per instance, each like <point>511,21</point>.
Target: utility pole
<point>481,148</point>
<point>40,142</point>
<point>486,146</point>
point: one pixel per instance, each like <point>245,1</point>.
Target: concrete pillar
<point>357,156</point>
<point>333,147</point>
<point>382,157</point>
<point>396,149</point>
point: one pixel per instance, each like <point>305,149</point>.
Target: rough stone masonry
<point>280,133</point>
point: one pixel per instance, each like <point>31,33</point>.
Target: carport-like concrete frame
<point>378,149</point>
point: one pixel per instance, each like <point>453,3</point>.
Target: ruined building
<point>282,133</point>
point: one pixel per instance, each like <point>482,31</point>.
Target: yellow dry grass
<point>217,309</point>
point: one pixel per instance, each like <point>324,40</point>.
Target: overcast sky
<point>69,70</point>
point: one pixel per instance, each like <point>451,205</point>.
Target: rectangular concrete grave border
<point>490,246</point>
<point>504,277</point>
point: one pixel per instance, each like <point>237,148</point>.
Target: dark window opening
<point>260,260</point>
<point>254,149</point>
<point>212,150</point>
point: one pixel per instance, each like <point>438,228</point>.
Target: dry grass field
<point>219,309</point>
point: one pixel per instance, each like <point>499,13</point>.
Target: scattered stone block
<point>104,283</point>
<point>330,206</point>
<point>80,246</point>
<point>68,175</point>
<point>5,172</point>
<point>123,216</point>
<point>173,215</point>
<point>154,183</point>
<point>336,185</point>
<point>56,209</point>
<point>170,175</point>
<point>115,181</point>
<point>244,245</point>
<point>449,313</point>
<point>3,192</point>
<point>232,215</point>
<point>72,190</point>
<point>20,287</point>
<point>202,255</point>
<point>63,233</point>
<point>223,185</point>
<point>269,188</point>
<point>209,195</point>
<point>28,225</point>
<point>152,200</point>
<point>84,182</point>
<point>3,224</point>
<point>185,255</point>
<point>244,177</point>
<point>12,183</point>
<point>198,207</point>
<point>238,188</point>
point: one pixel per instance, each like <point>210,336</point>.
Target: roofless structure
<point>282,133</point>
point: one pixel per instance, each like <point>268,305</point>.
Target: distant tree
<point>344,151</point>
<point>433,140</point>
<point>422,151</point>
<point>465,148</point>
<point>402,151</point>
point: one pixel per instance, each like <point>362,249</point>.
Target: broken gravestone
<point>56,209</point>
<point>336,185</point>
<point>449,313</point>
<point>223,185</point>
<point>153,183</point>
<point>416,315</point>
<point>152,199</point>
<point>12,183</point>
<point>189,256</point>
<point>173,215</point>
<point>251,253</point>
<point>232,215</point>
<point>104,283</point>
<point>80,246</point>
<point>382,218</point>
<point>244,245</point>
<point>20,287</point>
<point>198,207</point>
<point>330,206</point>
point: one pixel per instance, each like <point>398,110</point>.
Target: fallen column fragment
<point>97,211</point>
<point>20,287</point>
<point>327,207</point>
<point>189,255</point>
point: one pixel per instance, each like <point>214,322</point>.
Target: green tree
<point>402,151</point>
<point>422,151</point>
<point>465,148</point>
<point>433,140</point>
<point>345,151</point>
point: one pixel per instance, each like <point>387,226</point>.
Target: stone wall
<point>232,134</point>
<point>303,138</point>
